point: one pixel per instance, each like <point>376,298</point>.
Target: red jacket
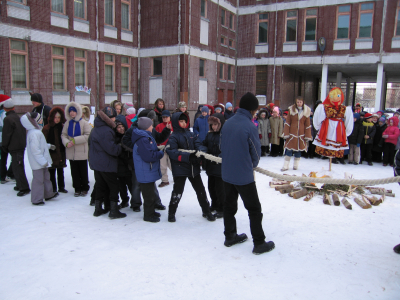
<point>128,120</point>
<point>392,131</point>
<point>160,128</point>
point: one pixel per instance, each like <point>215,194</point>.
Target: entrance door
<point>220,96</point>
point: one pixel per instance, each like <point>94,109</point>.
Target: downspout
<point>179,55</point>
<point>97,59</point>
<point>216,56</point>
<point>274,74</point>
<point>139,59</point>
<point>383,29</point>
<point>190,36</point>
<point>236,54</point>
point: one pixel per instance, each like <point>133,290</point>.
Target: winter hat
<point>152,115</point>
<point>140,110</point>
<point>362,114</point>
<point>248,102</point>
<point>358,104</point>
<point>367,116</point>
<point>382,119</point>
<point>144,123</point>
<point>397,112</point>
<point>356,115</point>
<point>37,98</point>
<point>128,106</point>
<point>205,109</point>
<point>71,108</point>
<point>228,104</point>
<point>118,123</point>
<point>276,109</point>
<point>6,101</point>
<point>218,108</point>
<point>375,115</point>
<point>36,116</point>
<point>131,111</point>
<point>270,105</point>
<point>110,112</point>
<point>182,104</point>
<point>183,117</point>
<point>285,112</point>
<point>166,113</point>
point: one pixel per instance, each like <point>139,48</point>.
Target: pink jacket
<point>392,131</point>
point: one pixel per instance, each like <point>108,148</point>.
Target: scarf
<point>54,137</point>
<point>71,131</point>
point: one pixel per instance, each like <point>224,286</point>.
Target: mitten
<point>193,158</point>
<point>52,147</point>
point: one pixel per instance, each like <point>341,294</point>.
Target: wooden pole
<point>346,203</point>
<point>330,164</point>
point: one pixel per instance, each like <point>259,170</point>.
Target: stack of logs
<point>364,201</point>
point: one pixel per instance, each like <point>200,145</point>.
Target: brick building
<point>198,51</point>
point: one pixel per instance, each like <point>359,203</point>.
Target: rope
<point>347,181</point>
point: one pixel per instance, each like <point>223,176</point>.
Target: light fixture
<point>322,44</point>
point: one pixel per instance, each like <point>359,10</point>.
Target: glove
<point>358,145</point>
<point>52,147</point>
<point>193,158</point>
<point>260,136</point>
<point>45,165</point>
<point>385,136</point>
<point>269,135</point>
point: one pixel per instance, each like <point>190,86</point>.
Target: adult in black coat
<point>40,108</point>
<point>377,144</point>
<point>160,137</point>
<point>355,139</point>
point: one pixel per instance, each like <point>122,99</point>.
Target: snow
<point>60,251</point>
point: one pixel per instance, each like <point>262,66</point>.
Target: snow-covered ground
<point>60,251</point>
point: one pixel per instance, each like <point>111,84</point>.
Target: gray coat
<point>264,128</point>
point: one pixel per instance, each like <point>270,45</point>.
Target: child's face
<point>204,113</point>
<point>215,127</point>
<point>72,114</point>
<point>118,109</point>
<point>166,119</point>
<point>230,108</point>
<point>274,114</point>
<point>182,109</point>
<point>284,116</point>
<point>263,115</point>
<point>381,123</point>
<point>391,122</point>
<point>374,119</point>
<point>121,129</point>
<point>182,123</point>
<point>218,110</point>
<point>57,119</point>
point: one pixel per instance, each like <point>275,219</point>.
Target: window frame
<point>82,59</point>
<point>205,9</point>
<point>397,19</point>
<point>316,23</point>
<point>223,17</point>
<point>365,12</point>
<point>126,65</point>
<point>57,12</point>
<point>109,63</point>
<point>233,44</point>
<point>231,21</point>
<point>291,18</point>
<point>223,38</point>
<point>229,76</point>
<point>221,74</point>
<point>16,1</point>
<point>59,57</point>
<point>113,14</point>
<point>152,67</point>
<point>84,11</point>
<point>20,52</point>
<point>127,2</point>
<point>337,21</point>
<point>258,27</point>
<point>204,68</point>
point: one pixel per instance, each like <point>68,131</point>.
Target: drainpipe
<point>139,59</point>
<point>179,55</point>
<point>236,54</point>
<point>274,73</point>
<point>190,36</point>
<point>216,56</point>
<point>97,59</point>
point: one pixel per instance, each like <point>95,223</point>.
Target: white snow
<point>60,251</point>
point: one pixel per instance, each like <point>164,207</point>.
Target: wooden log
<point>376,188</point>
<point>346,203</point>
<point>373,200</point>
<point>336,200</point>
<point>286,191</point>
<point>327,199</point>
<point>309,196</point>
<point>284,187</point>
<point>361,203</point>
<point>381,191</point>
<point>292,192</point>
<point>299,194</point>
<point>278,183</point>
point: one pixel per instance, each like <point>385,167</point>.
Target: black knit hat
<point>110,112</point>
<point>249,102</point>
<point>37,98</point>
<point>183,117</point>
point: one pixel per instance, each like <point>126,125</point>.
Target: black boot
<point>341,160</point>
<point>107,206</point>
<point>334,161</point>
<point>238,238</point>
<point>263,248</point>
<point>209,216</point>
<point>219,215</point>
<point>98,210</point>
<point>173,206</point>
<point>124,203</point>
<point>114,212</point>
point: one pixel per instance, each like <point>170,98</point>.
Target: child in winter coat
<point>229,111</point>
<point>355,139</point>
<point>369,133</point>
<point>390,135</point>
<point>130,115</point>
<point>200,127</point>
<point>185,166</point>
<point>52,132</point>
<point>39,159</point>
<point>276,124</point>
<point>213,170</point>
<point>146,157</point>
<point>264,131</point>
<point>165,161</point>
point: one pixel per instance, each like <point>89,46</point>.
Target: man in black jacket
<point>40,107</point>
<point>14,142</point>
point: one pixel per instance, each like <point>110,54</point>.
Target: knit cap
<point>37,98</point>
<point>382,119</point>
<point>218,108</point>
<point>6,101</point>
<point>144,123</point>
<point>248,102</point>
<point>110,111</point>
<point>205,109</point>
<point>131,111</point>
<point>182,104</point>
<point>228,104</point>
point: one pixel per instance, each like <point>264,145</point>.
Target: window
<point>231,21</point>
<point>203,9</point>
<point>223,17</point>
<point>221,71</point>
<point>229,72</point>
<point>19,1</point>
<point>157,66</point>
<point>311,24</point>
<point>58,6</point>
<point>223,40</point>
<point>80,67</point>
<point>201,68</point>
<point>19,64</point>
<point>109,12</point>
<point>263,28</point>
<point>291,26</point>
<point>80,9</point>
<point>125,72</point>
<point>109,72</point>
<point>366,17</point>
<point>231,44</point>
<point>397,28</point>
<point>59,55</point>
<point>343,22</point>
<point>125,14</point>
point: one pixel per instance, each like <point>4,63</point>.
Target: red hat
<point>270,105</point>
<point>285,112</point>
<point>6,101</point>
<point>358,104</point>
<point>367,115</point>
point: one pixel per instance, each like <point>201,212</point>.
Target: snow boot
<point>98,210</point>
<point>209,216</point>
<point>341,160</point>
<point>397,249</point>
<point>114,212</point>
<point>152,219</point>
<point>219,215</point>
<point>124,203</point>
<point>286,163</point>
<point>296,163</point>
<point>173,206</point>
<point>237,239</point>
<point>263,248</point>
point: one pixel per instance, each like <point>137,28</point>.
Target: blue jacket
<point>103,151</point>
<point>201,127</point>
<point>146,156</point>
<point>181,138</point>
<point>228,114</point>
<point>240,149</point>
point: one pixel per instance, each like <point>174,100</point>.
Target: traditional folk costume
<point>334,123</point>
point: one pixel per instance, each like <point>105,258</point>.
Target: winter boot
<point>286,163</point>
<point>341,160</point>
<point>334,161</point>
<point>98,210</point>
<point>263,248</point>
<point>114,212</point>
<point>209,216</point>
<point>237,239</point>
<point>152,219</point>
<point>173,206</point>
<point>124,203</point>
<point>397,249</point>
<point>219,215</point>
<point>107,206</point>
<point>296,163</point>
